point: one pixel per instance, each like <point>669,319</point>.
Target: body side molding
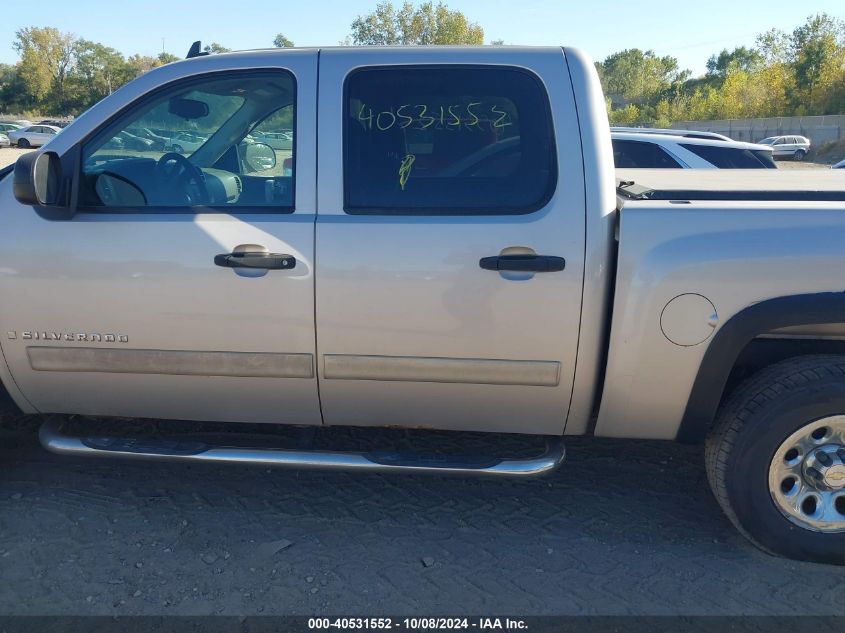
<point>482,371</point>
<point>171,362</point>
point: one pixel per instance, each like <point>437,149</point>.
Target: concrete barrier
<point>819,129</point>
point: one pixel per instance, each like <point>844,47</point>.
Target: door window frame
<point>138,104</point>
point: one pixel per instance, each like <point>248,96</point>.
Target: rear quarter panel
<point>733,253</point>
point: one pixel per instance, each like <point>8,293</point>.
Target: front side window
<point>205,142</point>
<point>447,140</point>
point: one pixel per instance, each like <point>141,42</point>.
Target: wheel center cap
<point>834,476</point>
<point>824,468</point>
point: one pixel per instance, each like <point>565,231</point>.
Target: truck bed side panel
<point>734,254</point>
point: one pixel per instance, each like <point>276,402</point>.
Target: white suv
<point>646,150</point>
<point>795,147</point>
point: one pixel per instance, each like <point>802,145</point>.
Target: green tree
<point>740,58</point>
<point>99,70</point>
<point>13,92</point>
<point>818,58</point>
<point>634,76</point>
<point>166,58</point>
<point>214,47</point>
<point>280,41</point>
<point>409,25</point>
<point>629,115</point>
<point>47,57</point>
<point>139,64</point>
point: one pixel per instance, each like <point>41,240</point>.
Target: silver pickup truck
<point>444,246</point>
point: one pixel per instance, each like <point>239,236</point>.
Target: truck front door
<point>165,295</point>
<point>450,239</point>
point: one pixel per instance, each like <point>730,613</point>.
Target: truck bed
<point>730,184</point>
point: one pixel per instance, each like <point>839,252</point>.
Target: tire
<point>23,143</point>
<point>799,154</point>
<point>754,424</point>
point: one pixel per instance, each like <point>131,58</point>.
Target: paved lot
<point>622,528</point>
<point>9,155</point>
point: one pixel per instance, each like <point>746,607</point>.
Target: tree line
<point>795,73</point>
<point>800,72</point>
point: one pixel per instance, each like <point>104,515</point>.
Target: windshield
<point>767,141</point>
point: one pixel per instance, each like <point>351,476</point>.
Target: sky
<point>690,31</point>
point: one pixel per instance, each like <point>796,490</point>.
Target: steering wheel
<point>177,175</point>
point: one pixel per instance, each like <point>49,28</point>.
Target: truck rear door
<point>449,239</point>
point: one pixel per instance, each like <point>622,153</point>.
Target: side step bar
<point>55,440</point>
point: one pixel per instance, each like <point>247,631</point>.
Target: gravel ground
<point>9,155</point>
<point>622,528</point>
<point>794,164</point>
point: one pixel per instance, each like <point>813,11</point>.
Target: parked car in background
<point>133,140</point>
<point>156,140</point>
<point>4,140</point>
<point>8,127</point>
<point>669,132</point>
<point>59,123</point>
<point>795,147</point>
<point>34,135</point>
<point>647,150</point>
<point>186,142</point>
<point>276,140</point>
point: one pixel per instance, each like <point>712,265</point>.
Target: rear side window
<point>447,140</point>
<point>640,155</point>
<point>730,157</point>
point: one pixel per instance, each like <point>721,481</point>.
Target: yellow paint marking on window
<point>405,169</point>
<point>502,120</point>
<point>474,116</point>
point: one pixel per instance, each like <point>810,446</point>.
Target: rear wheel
<point>23,143</point>
<point>776,458</point>
<point>799,154</point>
<point>178,149</point>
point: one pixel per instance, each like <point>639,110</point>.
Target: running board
<point>54,439</point>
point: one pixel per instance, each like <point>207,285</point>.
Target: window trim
<point>194,210</point>
<point>551,187</point>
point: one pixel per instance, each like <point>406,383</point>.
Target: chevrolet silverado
<point>444,245</point>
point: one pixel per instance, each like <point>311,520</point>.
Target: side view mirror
<point>37,180</point>
<point>258,157</point>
